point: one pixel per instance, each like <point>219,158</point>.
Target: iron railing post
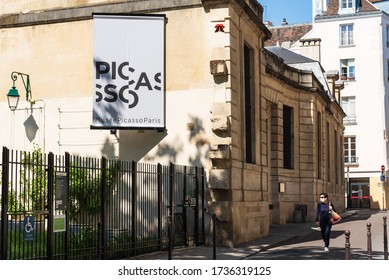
<point>103,209</point>
<point>214,235</point>
<point>67,220</point>
<point>169,232</point>
<point>134,207</point>
<point>184,206</point>
<point>369,253</point>
<point>203,206</point>
<point>99,242</point>
<point>4,204</point>
<point>159,175</point>
<point>50,206</point>
<point>347,245</point>
<point>171,210</point>
<point>385,240</point>
<point>197,207</point>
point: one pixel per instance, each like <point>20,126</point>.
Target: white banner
<point>129,72</point>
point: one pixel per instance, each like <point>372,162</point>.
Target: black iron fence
<point>71,207</point>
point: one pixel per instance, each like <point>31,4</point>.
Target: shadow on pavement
<point>313,236</point>
<point>313,253</point>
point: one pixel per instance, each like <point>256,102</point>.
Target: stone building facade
<point>317,139</point>
<point>265,132</point>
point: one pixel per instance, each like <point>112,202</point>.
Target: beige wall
<point>56,56</point>
<point>378,194</point>
<point>58,59</point>
<point>16,6</point>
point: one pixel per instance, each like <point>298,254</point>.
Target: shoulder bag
<point>335,217</point>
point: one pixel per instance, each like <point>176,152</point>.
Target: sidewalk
<point>277,235</point>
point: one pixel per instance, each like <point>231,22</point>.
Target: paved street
<point>297,241</point>
<point>310,246</point>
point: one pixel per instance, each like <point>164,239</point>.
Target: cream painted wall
<point>59,62</point>
<point>62,125</point>
<point>58,58</point>
<point>16,6</point>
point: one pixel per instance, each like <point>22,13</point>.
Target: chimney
<point>334,85</point>
<point>339,86</point>
<point>311,48</point>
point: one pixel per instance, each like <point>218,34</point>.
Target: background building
<point>354,37</point>
<point>351,36</point>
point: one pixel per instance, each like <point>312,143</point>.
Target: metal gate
<point>70,207</point>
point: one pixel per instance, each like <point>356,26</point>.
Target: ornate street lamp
<point>13,94</point>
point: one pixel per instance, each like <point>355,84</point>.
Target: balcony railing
<point>350,120</point>
<point>347,38</point>
<point>353,160</point>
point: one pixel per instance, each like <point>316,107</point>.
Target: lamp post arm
<point>26,83</point>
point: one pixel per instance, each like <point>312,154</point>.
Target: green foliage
<point>33,183</point>
<point>19,249</point>
<point>85,187</point>
<point>14,204</point>
<point>86,238</point>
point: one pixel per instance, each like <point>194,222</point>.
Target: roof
<point>288,56</point>
<point>301,62</point>
<point>288,33</point>
<point>366,6</point>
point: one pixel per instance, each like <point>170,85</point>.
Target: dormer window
<point>346,6</point>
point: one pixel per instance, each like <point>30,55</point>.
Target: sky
<point>295,11</point>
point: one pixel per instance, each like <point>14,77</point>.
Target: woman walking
<point>323,219</point>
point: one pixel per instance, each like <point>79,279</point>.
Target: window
<point>249,104</point>
<point>337,157</point>
<point>387,69</point>
<point>347,35</point>
<point>387,35</point>
<point>288,136</point>
<point>328,152</point>
<point>350,151</point>
<point>348,106</point>
<point>319,144</point>
<point>347,69</point>
<point>346,4</point>
<point>320,6</point>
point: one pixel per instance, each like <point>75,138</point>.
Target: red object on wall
<point>219,27</point>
